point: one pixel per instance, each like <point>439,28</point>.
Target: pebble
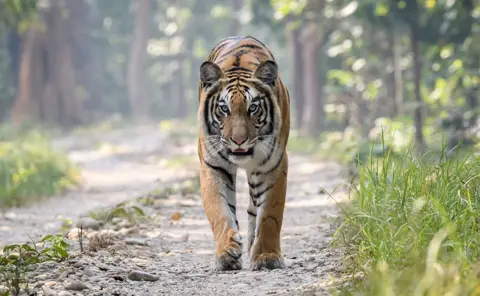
<point>136,241</point>
<point>89,223</point>
<point>136,275</point>
<point>47,291</point>
<point>88,273</point>
<point>50,283</point>
<point>76,286</point>
<point>65,293</point>
<point>116,220</point>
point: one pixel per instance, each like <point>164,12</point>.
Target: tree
<point>47,82</point>
<point>139,102</point>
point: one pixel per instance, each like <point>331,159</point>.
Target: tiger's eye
<point>252,108</point>
<point>224,108</point>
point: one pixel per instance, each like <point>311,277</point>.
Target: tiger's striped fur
<point>244,122</point>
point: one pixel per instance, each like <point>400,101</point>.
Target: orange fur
<point>243,78</point>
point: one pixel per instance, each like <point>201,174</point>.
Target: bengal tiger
<point>244,121</point>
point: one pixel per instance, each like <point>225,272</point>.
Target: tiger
<point>244,122</point>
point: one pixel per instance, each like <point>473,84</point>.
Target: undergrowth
<point>31,169</point>
<point>414,227</point>
<point>16,261</point>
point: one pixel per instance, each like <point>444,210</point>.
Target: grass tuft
<point>414,226</point>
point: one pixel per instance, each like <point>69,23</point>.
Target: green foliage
<point>31,169</point>
<point>121,210</point>
<point>16,261</point>
<point>413,227</point>
<point>17,13</point>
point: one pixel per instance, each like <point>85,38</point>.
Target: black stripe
<point>271,170</point>
<point>232,208</point>
<point>238,68</point>
<point>269,156</point>
<point>206,112</point>
<point>223,156</point>
<point>251,214</point>
<point>254,201</point>
<point>254,185</point>
<point>230,187</point>
<point>220,170</point>
<point>231,255</point>
<point>253,38</point>
<point>259,194</point>
<point>272,112</point>
<point>240,47</point>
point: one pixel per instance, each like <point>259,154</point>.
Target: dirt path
<point>116,166</point>
<point>179,251</point>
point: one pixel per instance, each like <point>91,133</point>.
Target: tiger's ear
<point>267,72</point>
<point>210,72</point>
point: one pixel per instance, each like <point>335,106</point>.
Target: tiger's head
<point>239,112</point>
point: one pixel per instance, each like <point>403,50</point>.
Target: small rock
<point>136,241</point>
<point>88,272</point>
<point>103,267</point>
<point>89,223</point>
<point>116,220</point>
<point>125,224</point>
<point>48,292</point>
<point>136,275</point>
<point>76,286</point>
<point>37,285</point>
<point>65,293</point>
<point>78,264</point>
<point>3,290</point>
<point>50,283</point>
<point>42,277</point>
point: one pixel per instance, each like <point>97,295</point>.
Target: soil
<point>172,247</point>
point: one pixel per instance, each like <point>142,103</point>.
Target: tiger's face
<point>240,115</point>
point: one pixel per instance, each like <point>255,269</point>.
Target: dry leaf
<point>176,216</point>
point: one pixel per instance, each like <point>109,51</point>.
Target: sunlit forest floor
<point>163,230</point>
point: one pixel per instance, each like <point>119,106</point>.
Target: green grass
<point>414,226</point>
<point>30,169</point>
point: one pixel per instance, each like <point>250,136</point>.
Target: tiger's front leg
<point>219,203</point>
<point>268,199</point>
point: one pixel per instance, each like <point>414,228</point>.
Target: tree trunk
<point>180,98</point>
<point>138,56</point>
<point>417,68</point>
<point>60,102</point>
<point>295,52</point>
<point>46,84</point>
<point>24,108</point>
<point>472,100</point>
<point>313,109</point>
<point>397,76</point>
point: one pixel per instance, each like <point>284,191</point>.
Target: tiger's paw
<point>229,258</point>
<point>268,260</point>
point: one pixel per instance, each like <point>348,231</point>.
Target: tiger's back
<point>244,113</point>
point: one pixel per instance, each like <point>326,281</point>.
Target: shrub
<point>31,169</point>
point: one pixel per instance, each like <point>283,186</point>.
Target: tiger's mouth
<point>241,152</point>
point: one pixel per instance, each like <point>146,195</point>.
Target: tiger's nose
<point>239,140</point>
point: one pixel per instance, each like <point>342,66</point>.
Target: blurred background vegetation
<point>408,65</point>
